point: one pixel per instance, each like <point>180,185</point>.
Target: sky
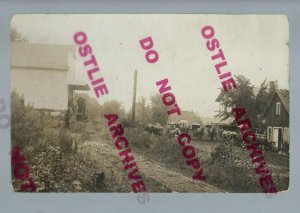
<point>255,46</point>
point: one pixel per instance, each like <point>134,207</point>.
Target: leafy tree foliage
<point>113,107</point>
<point>158,110</point>
<point>143,111</point>
<point>25,121</point>
<point>245,97</point>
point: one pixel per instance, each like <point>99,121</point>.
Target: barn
<point>276,120</point>
<point>44,74</point>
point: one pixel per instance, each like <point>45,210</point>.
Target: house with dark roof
<point>276,120</point>
<point>186,118</point>
<point>227,124</point>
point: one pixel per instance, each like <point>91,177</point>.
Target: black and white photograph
<point>137,103</point>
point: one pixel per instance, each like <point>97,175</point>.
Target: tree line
<point>146,111</point>
<point>253,99</point>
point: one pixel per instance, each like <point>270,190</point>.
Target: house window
<point>278,108</point>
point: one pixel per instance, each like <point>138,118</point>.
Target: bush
<point>223,154</point>
<point>230,172</point>
<point>161,148</point>
<point>49,150</point>
<point>25,123</point>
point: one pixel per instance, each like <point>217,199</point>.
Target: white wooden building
<point>43,73</point>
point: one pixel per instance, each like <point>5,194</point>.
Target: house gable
<point>277,117</point>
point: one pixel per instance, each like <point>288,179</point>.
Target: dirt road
<point>103,152</point>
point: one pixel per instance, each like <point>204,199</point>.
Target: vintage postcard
<point>150,103</point>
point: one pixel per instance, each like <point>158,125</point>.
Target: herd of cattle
<point>205,132</point>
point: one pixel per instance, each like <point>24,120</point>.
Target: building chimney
<point>272,87</point>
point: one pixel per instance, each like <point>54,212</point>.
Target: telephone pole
<point>134,98</point>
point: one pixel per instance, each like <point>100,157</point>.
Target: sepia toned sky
<point>255,46</point>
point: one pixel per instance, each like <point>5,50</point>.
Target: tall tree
<point>113,107</point>
<point>158,110</point>
<point>143,111</point>
<point>261,101</point>
<point>244,97</point>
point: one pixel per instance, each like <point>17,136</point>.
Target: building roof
<point>283,94</point>
<point>40,56</point>
<point>84,87</point>
<point>220,121</point>
<point>189,116</point>
<point>207,120</point>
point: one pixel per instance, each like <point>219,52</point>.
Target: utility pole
<point>134,98</point>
